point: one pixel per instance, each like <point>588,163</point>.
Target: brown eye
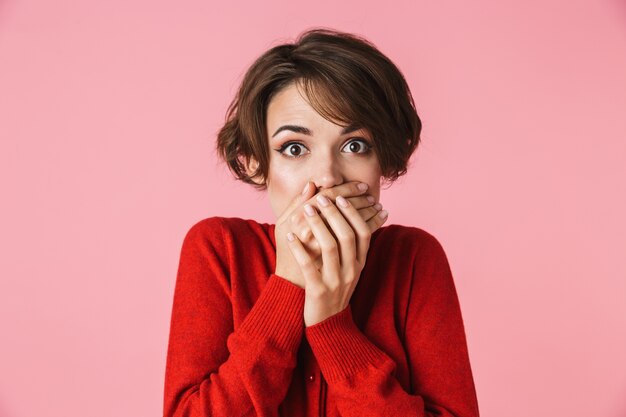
<point>358,146</point>
<point>294,149</point>
<point>291,150</point>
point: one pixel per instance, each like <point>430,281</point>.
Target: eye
<point>292,148</point>
<point>362,146</point>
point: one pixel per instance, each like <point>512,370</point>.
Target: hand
<point>293,220</point>
<point>363,203</point>
<point>329,289</point>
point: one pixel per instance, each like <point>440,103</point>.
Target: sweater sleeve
<point>212,370</point>
<point>361,376</point>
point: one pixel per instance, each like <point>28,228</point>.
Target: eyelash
<point>284,146</point>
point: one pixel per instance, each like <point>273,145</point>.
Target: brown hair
<point>346,79</point>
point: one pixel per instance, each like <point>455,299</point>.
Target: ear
<point>251,165</point>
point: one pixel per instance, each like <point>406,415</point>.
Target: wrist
<point>317,311</point>
<point>284,274</point>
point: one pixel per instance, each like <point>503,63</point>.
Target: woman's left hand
<point>328,290</point>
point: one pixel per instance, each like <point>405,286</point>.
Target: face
<point>305,146</point>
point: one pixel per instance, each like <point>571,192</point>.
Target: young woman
<point>327,312</point>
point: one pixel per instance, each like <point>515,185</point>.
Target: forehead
<point>289,106</point>
<point>288,103</point>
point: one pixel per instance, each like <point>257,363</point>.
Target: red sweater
<point>238,345</point>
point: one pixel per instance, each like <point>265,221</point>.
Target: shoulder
<point>410,248</point>
<point>419,257</point>
<point>225,233</point>
<point>218,225</point>
<point>208,229</point>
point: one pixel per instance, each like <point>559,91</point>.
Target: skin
<point>328,248</point>
<point>321,157</point>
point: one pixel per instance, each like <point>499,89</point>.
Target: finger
<point>341,230</point>
<point>299,226</point>
<point>361,201</point>
<point>308,192</point>
<point>367,212</point>
<point>307,239</point>
<point>360,227</point>
<point>309,269</point>
<point>377,220</point>
<point>310,244</point>
<point>297,216</point>
<point>330,248</point>
<point>348,189</point>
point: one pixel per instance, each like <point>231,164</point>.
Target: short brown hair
<point>346,79</point>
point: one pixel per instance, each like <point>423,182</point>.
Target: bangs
<point>329,98</point>
<point>342,77</point>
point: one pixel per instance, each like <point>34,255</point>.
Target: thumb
<point>299,199</point>
<point>306,192</point>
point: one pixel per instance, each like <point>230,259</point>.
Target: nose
<point>327,173</point>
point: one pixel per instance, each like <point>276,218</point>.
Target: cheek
<point>374,187</point>
<point>284,185</point>
<point>373,178</point>
<point>363,174</point>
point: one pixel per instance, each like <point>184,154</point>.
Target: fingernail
<point>290,236</point>
<point>306,188</point>
<point>362,186</point>
<point>370,198</point>
<point>322,200</point>
<point>342,201</point>
<point>378,206</point>
<point>309,210</point>
<point>383,214</point>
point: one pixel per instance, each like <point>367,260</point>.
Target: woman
<point>327,312</point>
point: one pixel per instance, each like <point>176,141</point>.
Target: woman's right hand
<point>293,220</point>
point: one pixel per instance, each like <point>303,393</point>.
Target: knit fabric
<point>238,345</point>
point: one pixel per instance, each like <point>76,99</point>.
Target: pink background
<point>108,116</point>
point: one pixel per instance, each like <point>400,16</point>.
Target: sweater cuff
<point>341,349</point>
<point>277,314</point>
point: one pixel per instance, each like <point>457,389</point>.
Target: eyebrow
<point>301,129</point>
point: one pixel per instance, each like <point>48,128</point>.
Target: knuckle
<point>333,285</point>
<point>365,234</point>
<point>329,194</point>
<point>306,234</point>
<point>346,236</point>
<point>333,256</point>
<point>329,247</point>
<point>365,212</point>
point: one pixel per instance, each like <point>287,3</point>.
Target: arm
<point>212,370</point>
<point>360,375</point>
